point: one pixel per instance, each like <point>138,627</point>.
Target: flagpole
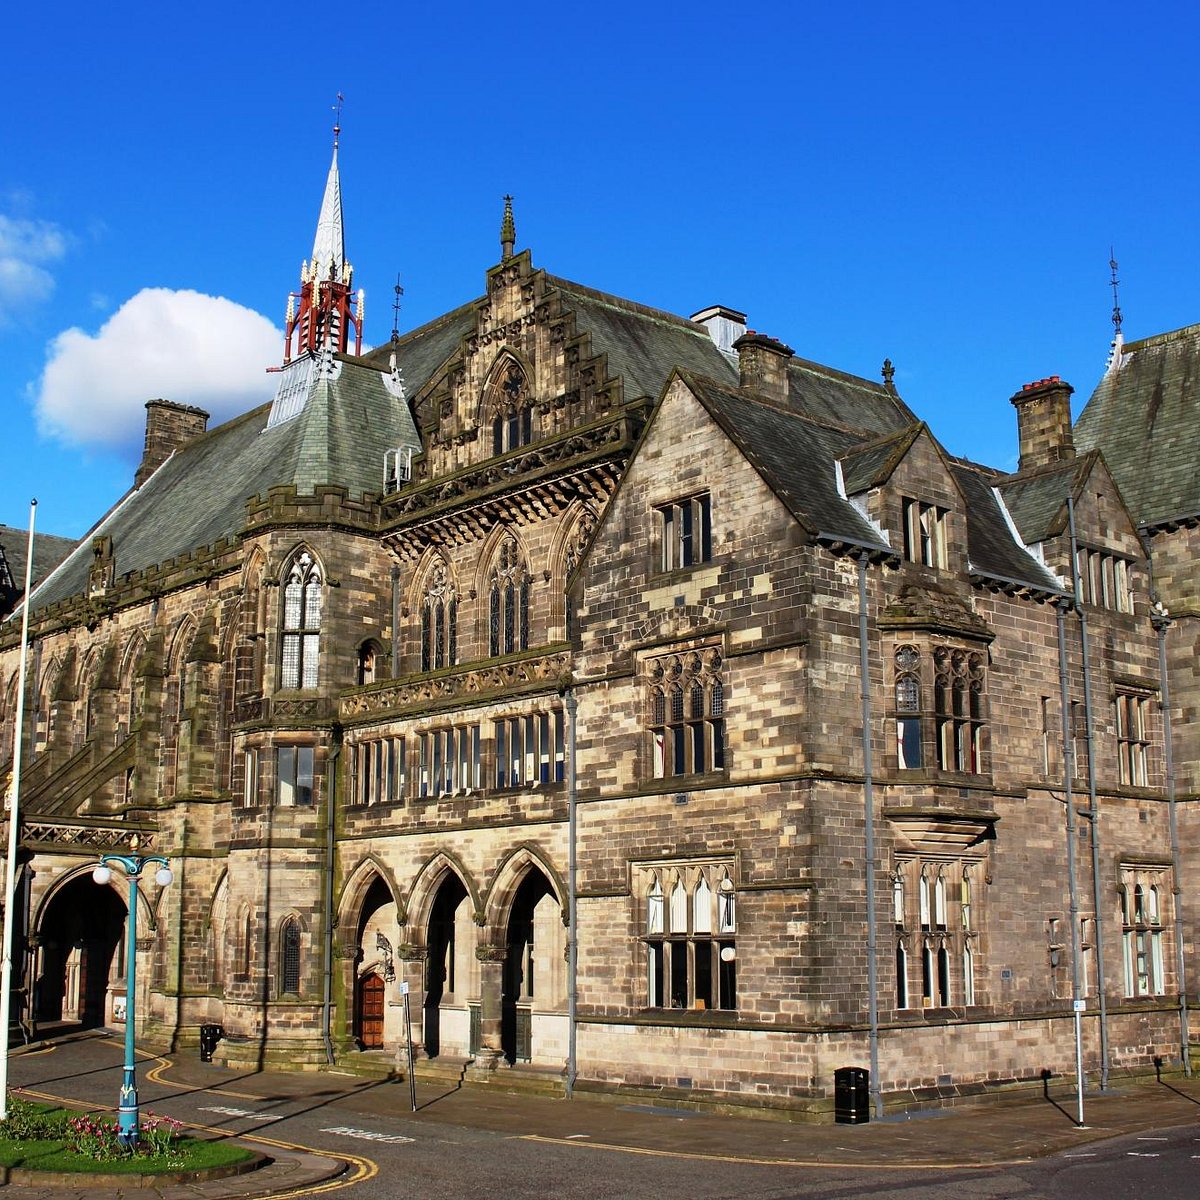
<point>10,876</point>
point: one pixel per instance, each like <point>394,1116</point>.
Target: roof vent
<point>724,325</point>
<point>397,468</point>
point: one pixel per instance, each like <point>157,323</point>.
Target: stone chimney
<point>168,426</point>
<point>1044,422</point>
<point>763,363</point>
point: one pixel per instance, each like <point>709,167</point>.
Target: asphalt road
<point>397,1155</point>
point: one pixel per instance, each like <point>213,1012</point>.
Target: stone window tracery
<point>512,416</point>
<point>690,936</point>
<point>687,713</point>
<point>936,932</point>
<point>1142,893</point>
<point>508,601</point>
<point>301,623</point>
<point>439,620</point>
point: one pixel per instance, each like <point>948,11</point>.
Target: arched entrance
<point>81,931</point>
<point>376,964</point>
<point>446,972</point>
<point>370,1011</point>
<point>532,967</point>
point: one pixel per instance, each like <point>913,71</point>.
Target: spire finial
<point>337,121</point>
<point>889,373</point>
<point>396,308</point>
<point>508,231</point>
<point>1116,313</point>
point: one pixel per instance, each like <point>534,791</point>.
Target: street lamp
<point>132,864</point>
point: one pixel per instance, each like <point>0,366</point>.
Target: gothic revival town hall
<point>666,710</point>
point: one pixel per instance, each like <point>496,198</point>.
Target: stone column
<point>412,971</point>
<point>491,990</point>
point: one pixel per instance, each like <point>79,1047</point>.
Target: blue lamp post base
<point>128,1123</point>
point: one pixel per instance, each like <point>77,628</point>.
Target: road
<point>398,1154</point>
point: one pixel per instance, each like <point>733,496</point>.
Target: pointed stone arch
<point>509,379</point>
<point>425,885</point>
<point>216,930</point>
<point>302,587</point>
<point>358,883</point>
<point>511,873</point>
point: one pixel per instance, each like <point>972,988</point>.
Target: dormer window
<point>925,533</point>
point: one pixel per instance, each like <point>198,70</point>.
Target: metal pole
<point>127,1108</point>
<point>10,872</point>
<point>869,841</point>
<point>572,707</point>
<point>1093,808</point>
<point>1078,1003</point>
<point>412,1078</point>
<point>1161,620</point>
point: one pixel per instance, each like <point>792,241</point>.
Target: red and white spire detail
<point>322,313</point>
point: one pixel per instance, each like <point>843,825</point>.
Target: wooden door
<point>370,1012</point>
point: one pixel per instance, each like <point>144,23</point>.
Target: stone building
<point>563,605</point>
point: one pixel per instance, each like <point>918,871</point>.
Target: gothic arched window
<point>289,946</point>
<point>439,621</point>
<point>508,601</point>
<point>512,413</point>
<point>301,623</point>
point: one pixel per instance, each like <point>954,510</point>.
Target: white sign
<point>1080,1006</point>
<point>404,988</point>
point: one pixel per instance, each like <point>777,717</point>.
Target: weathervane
<point>396,308</point>
<point>1116,313</point>
<point>337,124</point>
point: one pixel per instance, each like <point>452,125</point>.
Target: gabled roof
<point>1145,416</point>
<point>794,454</point>
<point>871,464</point>
<point>1037,499</point>
<point>992,549</point>
<point>48,551</point>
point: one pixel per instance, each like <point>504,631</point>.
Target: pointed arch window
<point>301,623</point>
<point>508,601</point>
<point>512,412</point>
<point>691,958</point>
<point>289,972</point>
<point>908,708</point>
<point>439,621</point>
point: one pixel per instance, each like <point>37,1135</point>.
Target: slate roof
<point>643,344</point>
<point>1145,416</point>
<point>992,549</point>
<point>795,455</point>
<point>48,551</point>
<point>1037,500</point>
<point>199,494</point>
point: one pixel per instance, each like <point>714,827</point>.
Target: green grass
<point>37,1137</point>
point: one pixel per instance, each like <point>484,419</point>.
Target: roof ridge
<point>613,301</point>
<point>1162,339</point>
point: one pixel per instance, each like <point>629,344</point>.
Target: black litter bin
<point>209,1036</point>
<point>851,1095</point>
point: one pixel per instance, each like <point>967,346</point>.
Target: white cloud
<point>174,345</point>
<point>26,247</point>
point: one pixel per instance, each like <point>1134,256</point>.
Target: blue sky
<point>938,184</point>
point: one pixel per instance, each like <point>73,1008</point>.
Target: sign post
<point>412,1083</point>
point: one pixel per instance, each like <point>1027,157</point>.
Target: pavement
<point>989,1133</point>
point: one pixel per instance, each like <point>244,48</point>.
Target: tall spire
<point>327,308</point>
<point>508,231</point>
<point>1118,342</point>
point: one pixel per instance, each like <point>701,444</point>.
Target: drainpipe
<point>572,707</point>
<point>869,844</point>
<point>1093,812</point>
<point>395,622</point>
<point>335,757</point>
<point>1160,618</point>
<point>1078,1002</point>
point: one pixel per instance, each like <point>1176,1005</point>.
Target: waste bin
<point>851,1098</point>
<point>209,1036</point>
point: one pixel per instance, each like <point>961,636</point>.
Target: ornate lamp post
<point>132,864</point>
